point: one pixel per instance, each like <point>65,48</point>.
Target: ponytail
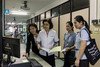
<point>79,18</point>
<point>87,26</point>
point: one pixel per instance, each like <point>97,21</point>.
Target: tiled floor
<point>59,63</point>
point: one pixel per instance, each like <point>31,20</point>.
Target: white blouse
<point>47,41</point>
<point>82,35</point>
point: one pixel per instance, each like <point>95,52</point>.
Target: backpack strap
<point>87,32</point>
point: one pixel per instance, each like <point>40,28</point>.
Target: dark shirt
<point>31,41</point>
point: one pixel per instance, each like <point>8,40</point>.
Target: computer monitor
<point>11,46</point>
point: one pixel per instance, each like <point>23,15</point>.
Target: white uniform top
<point>47,41</point>
<point>82,35</point>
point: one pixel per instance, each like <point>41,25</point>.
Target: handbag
<point>92,52</point>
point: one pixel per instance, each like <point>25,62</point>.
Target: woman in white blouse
<point>82,40</point>
<point>47,39</point>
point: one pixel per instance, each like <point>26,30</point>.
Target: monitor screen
<point>13,45</point>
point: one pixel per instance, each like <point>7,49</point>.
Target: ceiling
<point>34,5</point>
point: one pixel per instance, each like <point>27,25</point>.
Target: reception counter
<point>39,60</point>
<point>33,60</point>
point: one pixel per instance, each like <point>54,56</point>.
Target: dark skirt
<point>69,58</point>
<point>35,49</point>
<point>83,63</point>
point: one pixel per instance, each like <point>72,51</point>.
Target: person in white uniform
<point>47,39</point>
<point>82,40</point>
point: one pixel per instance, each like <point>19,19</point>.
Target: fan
<point>24,7</point>
<point>14,19</point>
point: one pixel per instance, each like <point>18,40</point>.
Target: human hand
<point>25,55</point>
<point>39,47</point>
<point>77,61</point>
<point>67,49</point>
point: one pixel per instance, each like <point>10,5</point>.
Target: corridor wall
<point>55,23</point>
<point>63,19</point>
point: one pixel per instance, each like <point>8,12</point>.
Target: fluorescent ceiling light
<point>20,23</point>
<point>13,23</point>
<point>9,23</point>
<point>11,29</point>
<point>19,13</point>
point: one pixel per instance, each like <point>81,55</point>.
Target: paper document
<point>65,49</point>
<point>54,49</point>
<point>25,60</point>
<point>47,50</point>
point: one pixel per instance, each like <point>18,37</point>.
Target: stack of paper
<point>54,49</point>
<point>45,49</point>
<point>25,60</point>
<point>57,49</point>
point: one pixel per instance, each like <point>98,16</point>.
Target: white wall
<point>92,10</point>
<point>54,4</point>
<point>99,9</point>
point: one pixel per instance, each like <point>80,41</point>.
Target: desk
<point>23,62</point>
<point>39,59</point>
<point>18,63</point>
<point>32,56</point>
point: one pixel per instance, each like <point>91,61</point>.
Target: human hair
<point>71,24</point>
<point>80,19</point>
<point>32,25</point>
<point>49,21</point>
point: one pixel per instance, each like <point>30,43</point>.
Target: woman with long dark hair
<point>82,40</point>
<point>31,39</point>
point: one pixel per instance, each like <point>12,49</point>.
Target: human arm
<point>84,38</point>
<point>56,39</point>
<point>28,45</point>
<point>81,52</point>
<point>38,41</point>
<point>69,41</point>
